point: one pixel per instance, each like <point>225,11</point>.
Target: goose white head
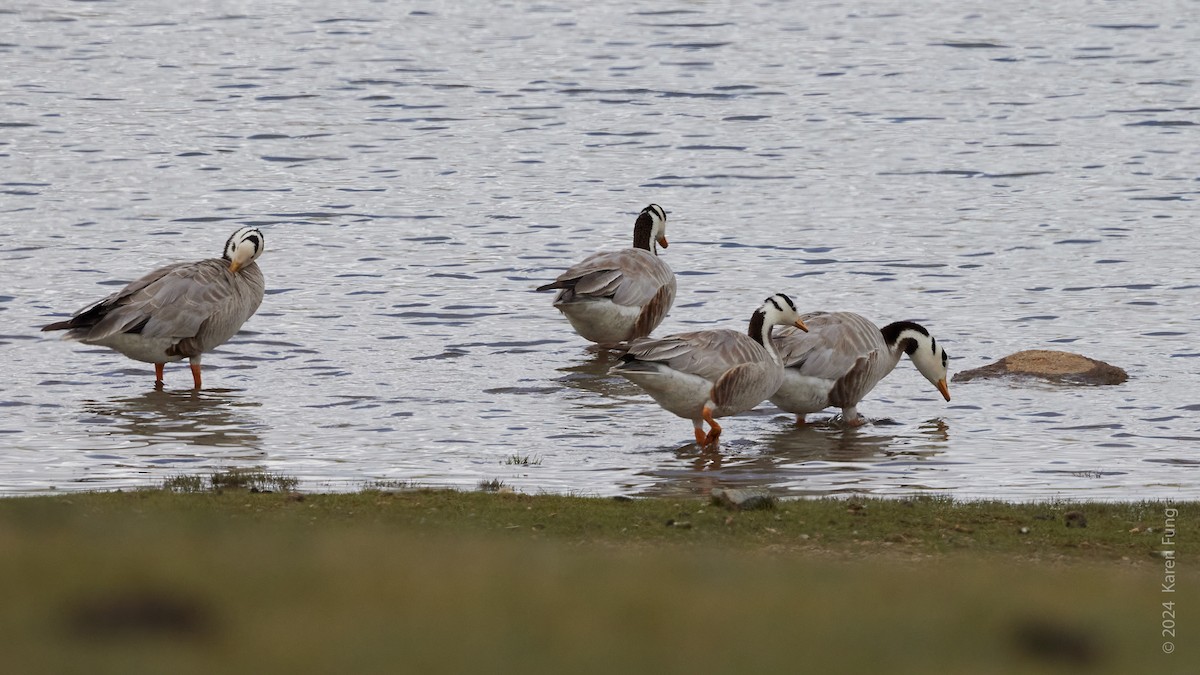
<point>777,310</point>
<point>243,247</point>
<point>650,227</point>
<point>924,351</point>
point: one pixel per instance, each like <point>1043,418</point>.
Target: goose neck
<point>760,332</point>
<point>643,230</point>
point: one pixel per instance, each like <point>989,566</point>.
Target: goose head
<point>924,351</point>
<point>777,310</point>
<point>243,247</point>
<point>650,227</point>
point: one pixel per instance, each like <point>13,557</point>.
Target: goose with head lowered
<point>612,297</point>
<point>712,373</point>
<point>841,358</point>
<point>178,311</point>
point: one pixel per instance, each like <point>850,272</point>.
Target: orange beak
<point>662,240</point>
<point>941,385</point>
<point>235,266</point>
<point>800,324</point>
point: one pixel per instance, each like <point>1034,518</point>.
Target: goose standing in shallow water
<point>178,311</point>
<point>613,297</point>
<point>843,356</point>
<point>712,373</point>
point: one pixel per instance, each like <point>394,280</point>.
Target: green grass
<point>228,580</point>
<point>233,479</point>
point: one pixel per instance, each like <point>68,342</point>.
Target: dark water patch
<point>940,172</point>
<point>522,390</point>
<point>688,25</point>
<point>690,46</point>
<point>1125,26</point>
<point>345,20</point>
<point>746,118</point>
<point>969,45</point>
<point>1087,427</point>
<point>628,134</point>
<point>448,354</point>
<point>1078,241</point>
<point>1162,123</point>
<point>1174,461</point>
<point>278,190</point>
<point>913,118</point>
<point>285,97</point>
<point>1168,198</point>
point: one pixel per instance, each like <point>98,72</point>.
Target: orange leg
<point>700,437</point>
<point>196,374</point>
<point>800,421</point>
<point>715,432</point>
<point>158,373</point>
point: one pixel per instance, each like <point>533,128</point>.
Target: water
<point>1012,176</point>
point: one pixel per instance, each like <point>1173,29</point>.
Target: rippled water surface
<point>1011,175</point>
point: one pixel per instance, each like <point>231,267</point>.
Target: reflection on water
<point>818,458</point>
<point>211,418</point>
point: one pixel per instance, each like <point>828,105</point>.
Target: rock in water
<point>1052,366</point>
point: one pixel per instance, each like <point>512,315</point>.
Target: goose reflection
<point>216,418</point>
<point>783,459</point>
<point>589,378</point>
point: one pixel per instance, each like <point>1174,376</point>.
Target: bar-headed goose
<point>843,356</point>
<point>612,297</point>
<point>178,311</point>
<point>712,373</point>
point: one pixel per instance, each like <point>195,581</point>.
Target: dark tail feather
<point>553,285</point>
<point>59,325</point>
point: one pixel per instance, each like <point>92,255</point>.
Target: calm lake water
<point>1011,175</point>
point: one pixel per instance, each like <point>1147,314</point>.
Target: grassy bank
<point>437,581</point>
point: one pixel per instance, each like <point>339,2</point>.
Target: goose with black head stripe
<point>842,356</point>
<point>712,373</point>
<point>178,311</point>
<point>612,297</point>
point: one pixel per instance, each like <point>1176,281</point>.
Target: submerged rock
<point>1052,366</point>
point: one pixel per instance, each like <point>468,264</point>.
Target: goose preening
<point>178,311</point>
<point>613,297</point>
<point>712,373</point>
<point>843,356</point>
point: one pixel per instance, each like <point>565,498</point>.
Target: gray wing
<point>176,301</point>
<point>708,354</point>
<point>833,345</point>
<point>630,277</point>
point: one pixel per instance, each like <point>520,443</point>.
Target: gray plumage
<point>707,374</point>
<point>178,311</point>
<point>841,358</point>
<point>612,297</point>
